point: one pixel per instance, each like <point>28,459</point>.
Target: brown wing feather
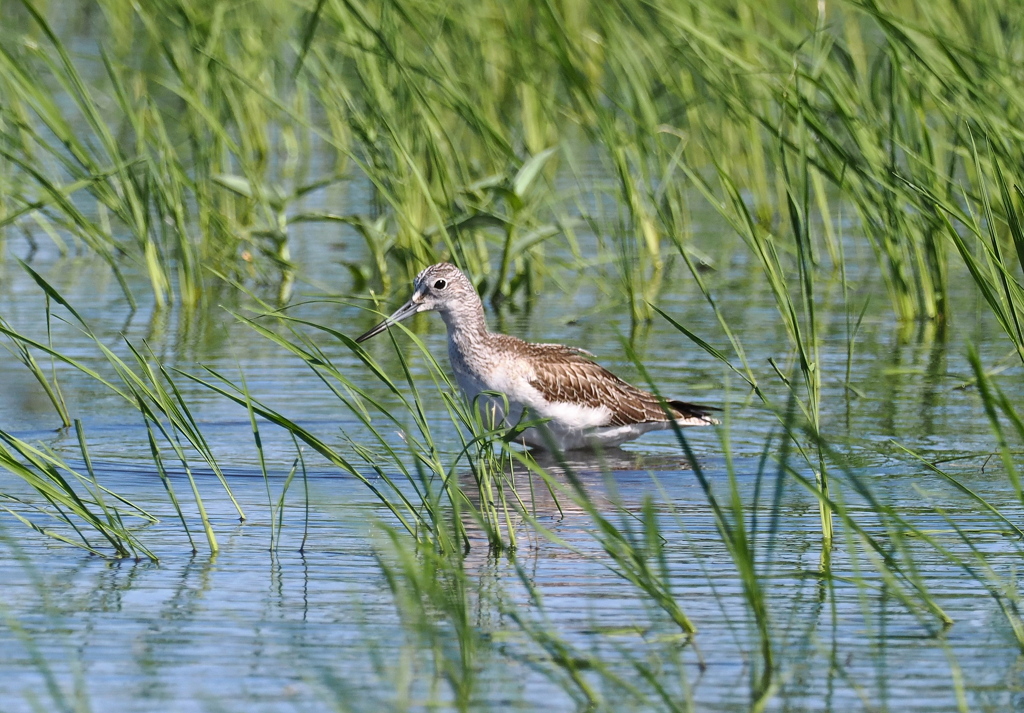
<point>564,374</point>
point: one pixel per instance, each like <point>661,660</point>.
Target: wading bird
<point>583,403</point>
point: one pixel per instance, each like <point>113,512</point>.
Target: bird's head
<point>441,288</point>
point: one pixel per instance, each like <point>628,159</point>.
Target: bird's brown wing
<point>563,374</point>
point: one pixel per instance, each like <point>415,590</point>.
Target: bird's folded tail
<point>694,414</point>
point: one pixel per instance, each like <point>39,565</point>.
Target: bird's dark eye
<point>440,285</point>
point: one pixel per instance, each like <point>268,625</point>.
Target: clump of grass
<point>162,167</point>
<point>149,387</point>
<point>87,514</point>
<point>418,482</point>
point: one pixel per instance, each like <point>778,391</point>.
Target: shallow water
<point>252,630</point>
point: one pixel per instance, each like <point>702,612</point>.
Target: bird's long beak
<point>407,310</point>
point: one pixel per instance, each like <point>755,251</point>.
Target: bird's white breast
<point>475,378</point>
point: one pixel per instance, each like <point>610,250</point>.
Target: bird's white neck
<point>467,327</point>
